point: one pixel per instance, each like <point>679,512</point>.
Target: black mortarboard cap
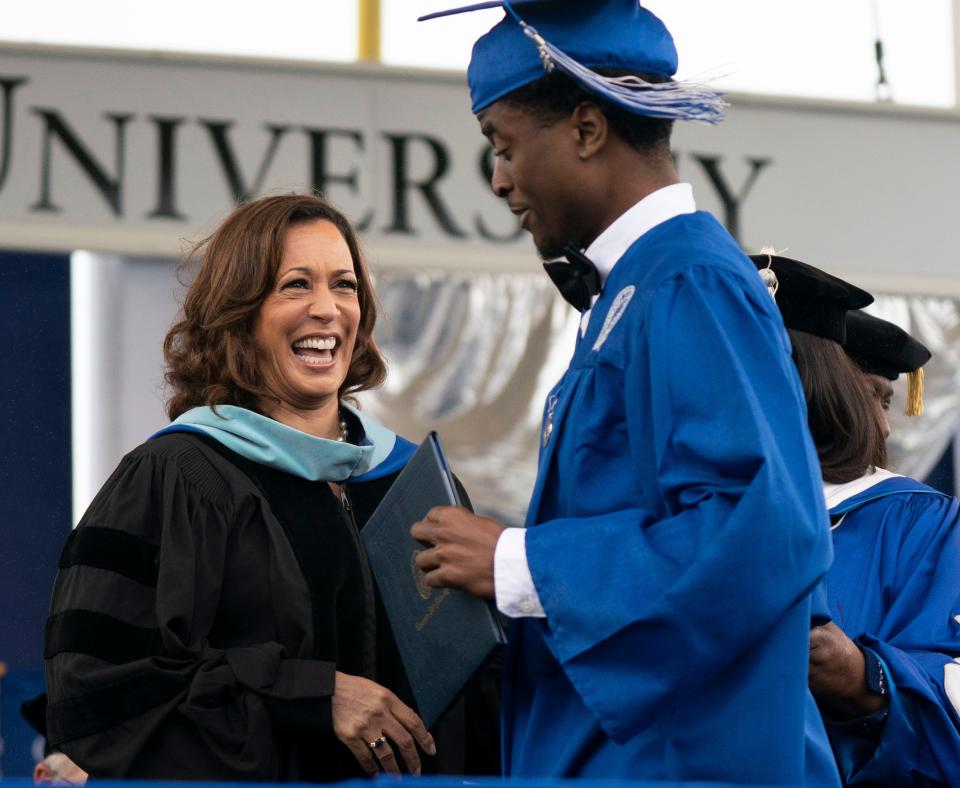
<point>811,300</point>
<point>883,348</point>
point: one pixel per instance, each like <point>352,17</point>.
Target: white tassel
<point>768,275</point>
<point>672,100</point>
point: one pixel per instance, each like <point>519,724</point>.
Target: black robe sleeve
<point>166,656</point>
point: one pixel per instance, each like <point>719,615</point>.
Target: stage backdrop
<point>129,158</point>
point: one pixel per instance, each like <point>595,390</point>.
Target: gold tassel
<point>915,393</point>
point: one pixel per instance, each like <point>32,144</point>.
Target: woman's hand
<point>363,712</point>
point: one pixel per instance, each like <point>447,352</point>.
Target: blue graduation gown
<point>675,532</point>
<point>895,589</point>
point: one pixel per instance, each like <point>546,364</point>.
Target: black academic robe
<point>200,612</point>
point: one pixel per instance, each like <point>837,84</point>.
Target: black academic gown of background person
<point>202,607</point>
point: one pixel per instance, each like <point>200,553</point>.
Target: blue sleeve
<point>856,742</point>
<point>918,644</point>
<point>689,597</point>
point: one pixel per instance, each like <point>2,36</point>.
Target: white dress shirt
<point>513,584</point>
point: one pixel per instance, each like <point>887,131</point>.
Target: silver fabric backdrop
<point>916,443</point>
<point>472,355</point>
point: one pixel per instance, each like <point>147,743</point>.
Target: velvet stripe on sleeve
<point>143,676</point>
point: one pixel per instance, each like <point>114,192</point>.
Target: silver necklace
<point>344,429</point>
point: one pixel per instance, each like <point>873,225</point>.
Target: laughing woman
<point>214,616</point>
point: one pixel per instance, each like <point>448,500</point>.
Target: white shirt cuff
<point>513,586</point>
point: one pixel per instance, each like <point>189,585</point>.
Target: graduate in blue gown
<point>885,672</point>
<point>661,591</point>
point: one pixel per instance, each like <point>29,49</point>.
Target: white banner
<point>133,153</point>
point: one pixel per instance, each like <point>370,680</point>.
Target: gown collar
<point>654,209</point>
<point>836,494</point>
<point>268,442</point>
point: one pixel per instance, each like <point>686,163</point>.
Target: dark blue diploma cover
<point>444,635</point>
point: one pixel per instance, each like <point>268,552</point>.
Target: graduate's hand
<point>460,548</point>
<point>838,675</point>
<point>363,711</point>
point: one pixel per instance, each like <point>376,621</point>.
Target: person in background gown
<point>885,671</point>
<point>661,593</point>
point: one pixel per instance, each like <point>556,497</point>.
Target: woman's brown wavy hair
<point>841,410</point>
<point>209,352</point>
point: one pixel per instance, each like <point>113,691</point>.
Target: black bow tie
<point>577,279</point>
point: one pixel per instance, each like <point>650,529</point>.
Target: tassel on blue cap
<point>576,38</point>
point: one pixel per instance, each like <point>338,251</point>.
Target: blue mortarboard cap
<point>538,36</point>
